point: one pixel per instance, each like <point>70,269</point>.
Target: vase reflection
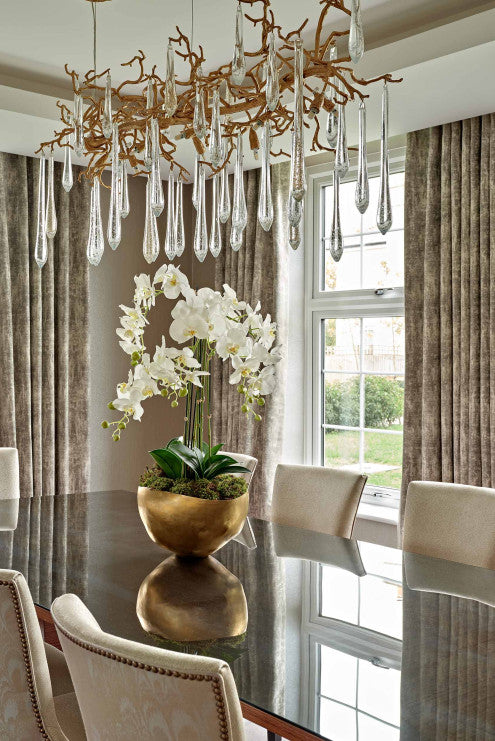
<point>188,602</point>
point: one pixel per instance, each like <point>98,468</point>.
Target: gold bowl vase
<point>189,526</point>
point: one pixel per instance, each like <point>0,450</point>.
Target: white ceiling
<point>444,50</point>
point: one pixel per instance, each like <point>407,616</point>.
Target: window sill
<point>378,513</point>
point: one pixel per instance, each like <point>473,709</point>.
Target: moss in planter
<point>225,486</point>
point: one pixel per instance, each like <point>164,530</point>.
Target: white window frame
<point>320,304</point>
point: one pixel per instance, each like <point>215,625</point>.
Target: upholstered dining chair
<point>130,691</point>
<point>316,498</point>
<point>37,701</point>
<point>9,473</point>
<point>450,521</point>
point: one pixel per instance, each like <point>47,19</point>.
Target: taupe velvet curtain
<point>257,272</point>
<point>449,422</point>
<point>449,255</point>
<point>44,361</point>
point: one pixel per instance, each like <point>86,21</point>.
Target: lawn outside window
<point>355,317</point>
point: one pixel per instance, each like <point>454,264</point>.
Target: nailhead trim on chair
<point>215,681</point>
<point>25,655</point>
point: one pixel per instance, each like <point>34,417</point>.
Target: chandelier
<point>250,101</point>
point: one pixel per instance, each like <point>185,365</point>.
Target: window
<point>356,312</point>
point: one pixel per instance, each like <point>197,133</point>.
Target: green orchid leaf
<point>169,462</point>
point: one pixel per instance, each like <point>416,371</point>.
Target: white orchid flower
<point>194,376</point>
<point>233,342</point>
<point>129,347</point>
<point>264,382</point>
<point>187,325</point>
<point>173,281</point>
<point>243,369</point>
<point>145,293</point>
<point>130,404</point>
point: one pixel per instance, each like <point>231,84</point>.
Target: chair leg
<point>271,736</point>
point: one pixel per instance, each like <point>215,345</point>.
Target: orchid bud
<point>183,392</point>
<point>104,424</point>
<point>110,405</point>
<point>174,404</point>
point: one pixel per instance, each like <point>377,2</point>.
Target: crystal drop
<point>147,136</point>
<point>297,165</point>
<point>215,235</point>
<point>295,211</point>
<point>157,197</point>
<point>195,193</point>
<point>170,233</point>
<point>96,242</point>
<point>272,90</point>
<point>67,180</point>
<point>331,128</point>
<point>180,240</point>
<point>151,244</point>
<point>124,190</point>
<point>215,144</point>
<point>356,35</point>
<point>51,214</point>
<point>236,238</point>
<point>106,118</point>
<point>239,60</point>
<point>224,200</point>
<point>169,91</point>
<point>199,119</point>
<point>200,231</point>
<point>114,225</point>
<point>294,236</point>
<point>341,152</point>
<point>362,197</point>
<point>336,244</point>
<point>78,125</point>
<point>265,203</point>
<point>41,244</point>
<point>239,210</point>
<point>384,212</point>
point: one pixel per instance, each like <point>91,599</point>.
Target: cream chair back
<point>244,460</point>
<point>27,709</point>
<point>450,521</point>
<point>9,473</point>
<point>316,498</point>
<point>130,691</point>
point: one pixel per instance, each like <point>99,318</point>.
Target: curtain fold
<point>257,272</point>
<point>448,669</point>
<point>44,362</point>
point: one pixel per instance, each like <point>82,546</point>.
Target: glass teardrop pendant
<point>151,244</point>
<point>147,157</point>
<point>169,91</point>
<point>294,236</point>
<point>170,233</point>
<point>236,238</point>
<point>51,214</point>
<point>215,235</point>
<point>106,118</point>
<point>384,212</point>
<point>41,244</point>
<point>195,192</point>
<point>297,165</point>
<point>199,119</point>
<point>157,197</point>
<point>67,179</point>
<point>265,202</point>
<point>200,231</point>
<point>362,197</point>
<point>114,226</point>
<point>331,127</point>
<point>272,90</point>
<point>180,240</point>
<point>239,210</point>
<point>239,60</point>
<point>78,125</point>
<point>96,242</point>
<point>336,243</point>
<point>215,143</point>
<point>124,190</point>
<point>341,165</point>
<point>224,197</point>
<point>295,211</point>
<point>356,35</point>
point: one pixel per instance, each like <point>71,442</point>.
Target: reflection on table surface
<point>351,641</point>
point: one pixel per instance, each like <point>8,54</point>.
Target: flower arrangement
<point>205,323</point>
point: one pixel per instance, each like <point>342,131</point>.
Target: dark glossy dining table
<point>327,637</point>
